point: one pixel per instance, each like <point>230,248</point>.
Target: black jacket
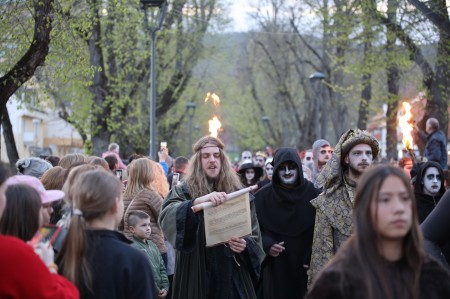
<point>119,271</point>
<point>435,149</point>
<point>335,283</point>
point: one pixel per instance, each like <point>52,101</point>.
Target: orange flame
<point>214,126</point>
<point>406,125</point>
<point>212,96</point>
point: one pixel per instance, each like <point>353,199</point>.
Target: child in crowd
<point>384,257</point>
<point>139,226</point>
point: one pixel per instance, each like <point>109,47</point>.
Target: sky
<point>238,14</point>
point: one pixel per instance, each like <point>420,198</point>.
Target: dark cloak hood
<point>286,211</point>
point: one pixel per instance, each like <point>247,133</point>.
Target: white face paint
<point>246,155</point>
<point>288,173</point>
<point>431,181</point>
<point>308,157</point>
<point>249,174</point>
<point>359,159</point>
<point>324,155</point>
<point>269,171</point>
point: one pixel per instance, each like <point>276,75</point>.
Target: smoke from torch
<point>214,124</point>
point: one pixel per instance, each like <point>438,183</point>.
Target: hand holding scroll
<point>237,245</point>
<point>216,198</point>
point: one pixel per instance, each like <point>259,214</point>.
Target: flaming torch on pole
<point>406,124</point>
<point>214,124</point>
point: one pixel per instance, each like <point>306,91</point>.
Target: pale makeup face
<point>288,173</point>
<point>211,163</point>
<point>360,158</point>
<point>392,211</point>
<point>269,171</point>
<point>142,230</point>
<point>249,174</point>
<point>259,161</point>
<point>324,155</point>
<point>246,156</point>
<point>431,181</point>
<point>308,157</point>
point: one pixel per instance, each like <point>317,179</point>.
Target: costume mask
<point>288,173</point>
<point>431,181</point>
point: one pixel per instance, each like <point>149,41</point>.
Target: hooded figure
<point>428,188</point>
<point>316,148</point>
<point>333,224</point>
<point>286,220</point>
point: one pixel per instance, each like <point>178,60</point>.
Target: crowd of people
<point>327,222</point>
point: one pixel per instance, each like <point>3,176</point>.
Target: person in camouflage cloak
<point>353,154</point>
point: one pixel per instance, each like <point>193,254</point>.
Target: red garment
<point>121,165</point>
<point>24,275</point>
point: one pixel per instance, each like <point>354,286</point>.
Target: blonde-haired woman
<point>142,194</point>
<point>160,183</point>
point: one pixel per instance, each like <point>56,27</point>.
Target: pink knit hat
<point>47,196</point>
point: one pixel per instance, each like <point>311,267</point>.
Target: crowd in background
<point>327,222</point>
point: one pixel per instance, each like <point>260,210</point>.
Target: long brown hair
<point>228,180</point>
<point>22,212</point>
<point>160,184</point>
<point>141,172</point>
<point>97,192</point>
<point>361,255</point>
<point>72,158</point>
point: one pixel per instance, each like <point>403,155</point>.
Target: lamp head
<point>152,3</point>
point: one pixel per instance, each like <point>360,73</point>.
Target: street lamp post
<point>190,109</point>
<point>266,121</point>
<point>162,8</point>
<point>316,79</point>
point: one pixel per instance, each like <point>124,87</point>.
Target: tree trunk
<point>393,77</point>
<point>99,88</point>
<point>437,104</point>
<point>8,134</point>
<point>24,69</point>
<point>366,93</point>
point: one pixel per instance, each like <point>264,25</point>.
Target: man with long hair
<point>222,271</point>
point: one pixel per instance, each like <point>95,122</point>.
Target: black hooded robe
<point>285,214</point>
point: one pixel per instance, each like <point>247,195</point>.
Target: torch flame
<point>406,125</point>
<point>214,126</point>
<point>212,96</point>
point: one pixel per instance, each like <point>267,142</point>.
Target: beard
<point>355,171</point>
